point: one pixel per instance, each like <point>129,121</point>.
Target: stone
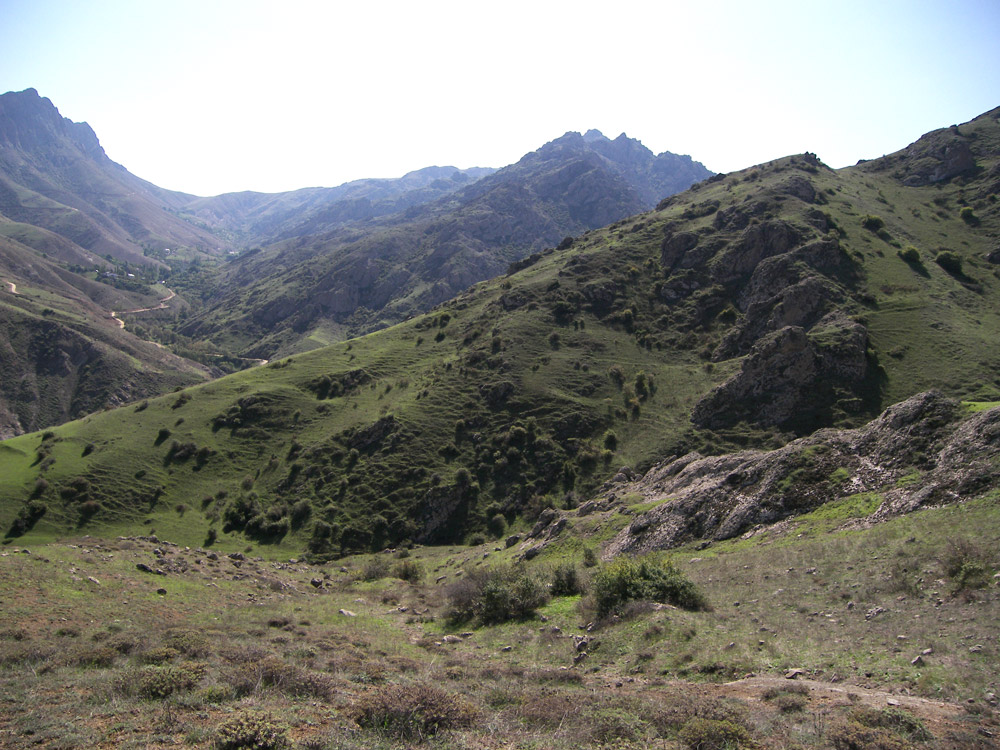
<point>794,674</point>
<point>316,582</point>
<point>346,613</point>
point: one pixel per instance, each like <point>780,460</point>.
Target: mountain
<point>54,175</point>
<point>315,289</point>
<point>262,218</point>
<point>752,309</point>
<point>80,237</point>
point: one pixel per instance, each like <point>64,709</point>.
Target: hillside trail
<point>13,287</point>
<point>161,306</point>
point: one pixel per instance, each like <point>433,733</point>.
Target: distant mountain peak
<point>594,135</point>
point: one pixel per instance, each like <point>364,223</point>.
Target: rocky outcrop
<point>945,456</point>
<point>792,378</point>
<point>936,157</point>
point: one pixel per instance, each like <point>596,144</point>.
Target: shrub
<point>252,732</point>
<point>910,254</point>
<point>647,578</point>
<point>590,558</point>
<point>253,675</point>
<point>966,564</point>
<point>872,223</point>
<point>712,734</point>
<point>497,525</point>
<point>566,581</point>
<point>969,216</point>
<point>412,711</point>
<point>495,595</point>
<point>158,682</point>
<point>899,722</point>
<point>409,571</point>
<point>949,261</point>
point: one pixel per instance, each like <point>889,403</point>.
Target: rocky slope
<point>923,451</point>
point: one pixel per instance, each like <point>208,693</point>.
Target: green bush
<point>247,731</point>
<point>646,578</point>
<point>409,570</point>
<point>950,262</point>
<point>910,254</point>
<point>495,595</point>
<point>969,216</point>
<point>872,223</point>
<point>567,581</point>
<point>713,734</point>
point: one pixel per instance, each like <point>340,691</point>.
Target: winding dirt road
<point>161,306</point>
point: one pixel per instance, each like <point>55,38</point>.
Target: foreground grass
<point>91,655</point>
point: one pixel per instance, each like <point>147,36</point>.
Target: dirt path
<point>161,306</point>
<point>13,287</point>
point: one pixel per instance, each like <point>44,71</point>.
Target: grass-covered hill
<point>331,280</point>
<point>755,307</point>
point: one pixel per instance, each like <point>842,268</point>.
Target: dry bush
<point>675,709</point>
<point>88,655</point>
<point>412,711</point>
<point>251,677</point>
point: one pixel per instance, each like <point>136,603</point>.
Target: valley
<point>598,449</point>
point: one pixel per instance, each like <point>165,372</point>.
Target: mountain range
<point>83,238</point>
<point>751,309</point>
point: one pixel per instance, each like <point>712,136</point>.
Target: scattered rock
<point>451,639</point>
<point>512,540</point>
<point>161,592</point>
<point>506,649</point>
<point>917,661</point>
<point>316,582</point>
<point>794,674</point>
<point>346,613</point>
<point>976,649</point>
<point>874,612</point>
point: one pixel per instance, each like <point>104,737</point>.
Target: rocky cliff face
<point>943,454</point>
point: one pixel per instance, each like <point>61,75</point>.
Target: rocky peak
<point>32,123</point>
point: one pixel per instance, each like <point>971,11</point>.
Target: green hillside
<point>763,304</point>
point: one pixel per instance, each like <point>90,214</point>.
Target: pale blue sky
<point>209,96</point>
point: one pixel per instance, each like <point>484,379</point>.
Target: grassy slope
<point>85,633</point>
<point>928,329</point>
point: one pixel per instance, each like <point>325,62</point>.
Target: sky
<point>213,96</point>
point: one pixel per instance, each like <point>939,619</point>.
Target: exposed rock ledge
<point>943,455</point>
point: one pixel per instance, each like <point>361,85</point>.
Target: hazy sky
<point>211,96</point>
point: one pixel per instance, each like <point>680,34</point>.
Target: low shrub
<point>950,262</point>
<point>412,711</point>
<point>910,254</point>
<point>713,734</point>
<point>248,731</point>
<point>872,223</point>
<point>967,564</point>
<point>251,676</point>
<point>495,595</point>
<point>647,578</point>
<point>899,722</point>
<point>567,581</point>
<point>409,571</point>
